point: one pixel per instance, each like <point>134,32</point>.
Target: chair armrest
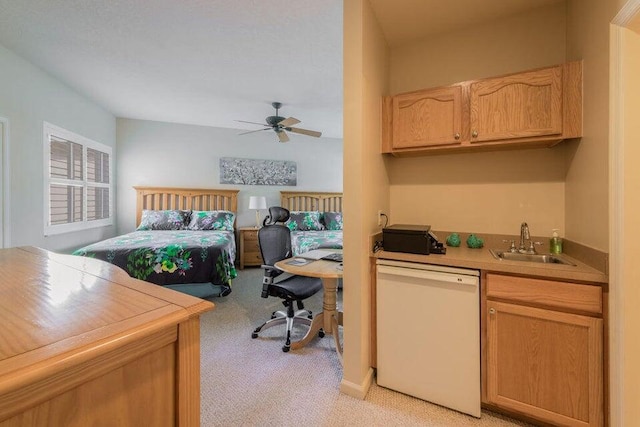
<point>269,267</point>
<point>270,273</point>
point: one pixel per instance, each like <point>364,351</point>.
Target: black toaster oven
<point>413,239</point>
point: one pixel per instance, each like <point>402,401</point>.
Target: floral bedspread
<point>167,257</point>
<point>304,241</point>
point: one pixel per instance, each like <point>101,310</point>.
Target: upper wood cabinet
<point>517,106</point>
<point>528,109</point>
<point>427,118</point>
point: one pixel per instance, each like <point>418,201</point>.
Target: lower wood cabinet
<point>542,362</point>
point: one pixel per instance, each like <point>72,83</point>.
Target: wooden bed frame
<point>311,201</point>
<point>163,198</point>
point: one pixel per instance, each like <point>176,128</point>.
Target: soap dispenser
<point>555,243</point>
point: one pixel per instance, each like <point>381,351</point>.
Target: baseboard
<point>359,391</point>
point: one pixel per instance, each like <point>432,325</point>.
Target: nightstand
<point>249,247</point>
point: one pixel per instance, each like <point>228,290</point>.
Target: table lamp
<point>257,203</point>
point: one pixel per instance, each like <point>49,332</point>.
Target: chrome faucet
<point>524,236</point>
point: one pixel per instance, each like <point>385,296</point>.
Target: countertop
<point>481,259</point>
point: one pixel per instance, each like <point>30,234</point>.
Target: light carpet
<point>252,382</point>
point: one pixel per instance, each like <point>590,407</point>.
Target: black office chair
<point>275,245</point>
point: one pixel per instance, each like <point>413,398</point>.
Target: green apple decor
<point>474,242</point>
<point>453,240</point>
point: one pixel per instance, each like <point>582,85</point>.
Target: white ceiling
<point>211,62</point>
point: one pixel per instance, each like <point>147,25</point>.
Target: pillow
<point>212,220</point>
<point>163,220</point>
<point>332,220</point>
<point>304,221</point>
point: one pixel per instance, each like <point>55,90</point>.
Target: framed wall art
<point>235,170</point>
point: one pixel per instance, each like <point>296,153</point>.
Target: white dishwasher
<point>428,333</point>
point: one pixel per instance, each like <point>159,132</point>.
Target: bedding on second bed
<point>305,241</point>
<point>315,230</point>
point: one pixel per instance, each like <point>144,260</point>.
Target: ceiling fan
<point>281,126</point>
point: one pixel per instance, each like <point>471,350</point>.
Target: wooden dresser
<point>249,247</point>
<point>82,343</point>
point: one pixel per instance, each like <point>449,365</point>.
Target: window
<point>78,182</point>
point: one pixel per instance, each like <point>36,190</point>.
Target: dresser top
<point>53,304</point>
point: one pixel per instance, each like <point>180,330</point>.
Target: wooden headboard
<point>199,199</point>
<point>311,201</point>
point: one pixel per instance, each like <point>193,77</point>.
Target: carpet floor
<point>251,382</point>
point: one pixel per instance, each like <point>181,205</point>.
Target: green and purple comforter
<point>169,257</point>
<point>304,241</point>
<point>314,230</point>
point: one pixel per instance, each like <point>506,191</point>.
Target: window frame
<point>86,143</point>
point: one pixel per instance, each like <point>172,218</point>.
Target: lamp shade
<point>257,202</point>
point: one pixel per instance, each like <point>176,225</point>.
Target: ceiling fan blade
<point>253,123</point>
<point>289,121</point>
<point>252,131</point>
<point>282,136</point>
<point>305,132</point>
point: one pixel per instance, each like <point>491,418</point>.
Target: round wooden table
<point>330,318</point>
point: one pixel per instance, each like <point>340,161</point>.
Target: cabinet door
<point>523,105</point>
<point>427,118</point>
<point>545,363</point>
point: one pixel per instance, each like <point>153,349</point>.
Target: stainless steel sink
<point>539,258</point>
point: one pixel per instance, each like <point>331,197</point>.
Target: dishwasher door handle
<point>428,275</point>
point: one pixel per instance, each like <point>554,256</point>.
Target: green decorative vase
<point>453,240</point>
<point>474,242</point>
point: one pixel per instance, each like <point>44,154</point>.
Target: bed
<point>184,240</point>
<point>316,219</point>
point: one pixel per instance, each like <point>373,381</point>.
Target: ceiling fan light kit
<point>281,125</point>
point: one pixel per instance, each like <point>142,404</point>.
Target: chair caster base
<point>286,348</point>
<point>321,333</point>
<point>254,335</point>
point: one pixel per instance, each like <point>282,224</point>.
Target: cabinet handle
<point>457,136</point>
<point>474,134</point>
<point>492,311</point>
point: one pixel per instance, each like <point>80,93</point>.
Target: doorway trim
<point>626,16</point>
<point>5,191</point>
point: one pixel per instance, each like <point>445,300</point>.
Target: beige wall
<point>587,183</point>
<point>365,182</point>
<point>520,42</point>
<point>481,192</point>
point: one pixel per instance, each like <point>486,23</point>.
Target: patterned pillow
<point>212,220</point>
<point>304,221</point>
<point>163,220</point>
<point>332,220</point>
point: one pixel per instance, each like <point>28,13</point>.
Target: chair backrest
<point>275,238</point>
